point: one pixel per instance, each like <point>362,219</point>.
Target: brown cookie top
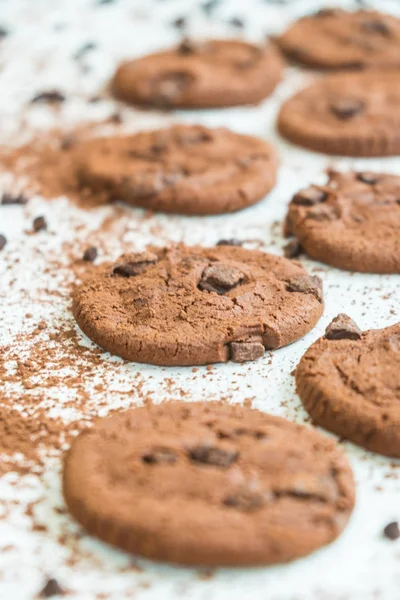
<point>200,74</point>
<point>188,169</point>
<point>353,114</point>
<point>333,38</point>
<point>192,305</point>
<point>208,484</point>
<point>349,382</point>
<point>352,222</point>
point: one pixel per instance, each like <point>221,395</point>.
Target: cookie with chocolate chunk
<point>192,305</point>
<point>352,222</point>
<point>352,114</point>
<point>187,169</point>
<point>333,38</point>
<point>349,382</point>
<point>200,75</point>
<point>208,484</point>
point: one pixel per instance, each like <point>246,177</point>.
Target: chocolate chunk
<point>160,455</point>
<point>375,26</point>
<point>347,108</point>
<point>208,455</point>
<point>135,265</point>
<point>230,242</point>
<point>51,96</point>
<point>367,177</point>
<point>245,501</point>
<point>90,254</point>
<point>342,328</point>
<point>244,351</point>
<point>306,284</point>
<point>293,249</point>
<point>310,196</point>
<point>8,199</point>
<point>187,46</point>
<point>392,531</point>
<point>220,278</point>
<point>3,241</point>
<point>51,588</point>
<point>39,224</point>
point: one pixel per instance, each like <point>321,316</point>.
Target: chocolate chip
<point>39,224</point>
<point>135,265</point>
<point>245,501</point>
<point>392,531</point>
<point>230,242</point>
<point>8,199</point>
<point>342,328</point>
<point>220,278</point>
<point>51,96</point>
<point>3,241</point>
<point>179,23</point>
<point>310,196</point>
<point>347,108</point>
<point>375,26</point>
<point>187,46</point>
<point>90,254</point>
<point>293,249</point>
<point>160,455</point>
<point>208,455</point>
<point>244,351</point>
<point>367,177</point>
<point>306,284</point>
<point>51,588</point>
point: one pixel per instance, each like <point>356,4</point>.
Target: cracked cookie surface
<point>352,222</point>
<point>187,169</point>
<point>193,305</point>
<point>349,383</point>
<point>200,75</point>
<point>208,484</point>
<point>333,38</point>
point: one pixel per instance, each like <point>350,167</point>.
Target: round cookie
<point>208,484</point>
<point>349,382</point>
<point>333,38</point>
<point>352,222</point>
<point>192,305</point>
<point>200,75</point>
<point>353,114</point>
<point>187,169</point>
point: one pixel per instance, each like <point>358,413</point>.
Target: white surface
<point>361,565</point>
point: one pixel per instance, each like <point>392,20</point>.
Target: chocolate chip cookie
<point>352,222</point>
<point>208,484</point>
<point>200,75</point>
<point>333,38</point>
<point>192,305</point>
<point>353,114</point>
<point>186,169</point>
<point>349,382</point>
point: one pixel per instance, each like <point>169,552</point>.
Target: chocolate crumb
<point>51,588</point>
<point>179,23</point>
<point>293,249</point>
<point>392,531</point>
<point>39,224</point>
<point>230,242</point>
<point>3,241</point>
<point>90,254</point>
<point>8,198</point>
<point>83,50</point>
<point>50,96</point>
<point>237,22</point>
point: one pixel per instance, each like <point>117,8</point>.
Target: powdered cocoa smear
<point>45,164</point>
